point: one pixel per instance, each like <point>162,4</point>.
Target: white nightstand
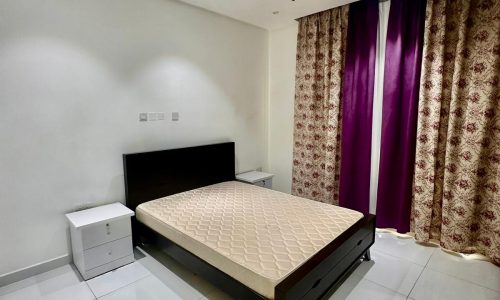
<point>257,178</point>
<point>101,238</point>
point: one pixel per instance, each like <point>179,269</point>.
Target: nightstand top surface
<point>253,176</point>
<point>99,214</point>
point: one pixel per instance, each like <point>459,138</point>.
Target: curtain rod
<point>380,1</point>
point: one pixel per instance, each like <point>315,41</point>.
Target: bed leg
<point>367,256</point>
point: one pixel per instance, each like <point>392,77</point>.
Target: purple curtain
<point>399,115</point>
<point>357,105</point>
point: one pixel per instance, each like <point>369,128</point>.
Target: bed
<point>252,242</point>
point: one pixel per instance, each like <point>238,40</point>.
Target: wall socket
<point>175,116</point>
<point>152,116</point>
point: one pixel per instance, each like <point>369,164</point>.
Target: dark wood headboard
<point>152,175</point>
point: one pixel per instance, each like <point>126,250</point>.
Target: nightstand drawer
<point>261,183</point>
<point>87,274</point>
<point>108,252</point>
<point>257,178</point>
<point>268,183</point>
<point>105,232</point>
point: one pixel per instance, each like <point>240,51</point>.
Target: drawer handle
<point>360,241</point>
<point>108,230</point>
<point>316,283</point>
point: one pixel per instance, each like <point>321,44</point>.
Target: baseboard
<point>35,269</point>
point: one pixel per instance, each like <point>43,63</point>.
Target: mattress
<point>256,235</point>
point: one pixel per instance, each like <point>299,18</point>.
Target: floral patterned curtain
<point>320,62</point>
<point>457,169</point>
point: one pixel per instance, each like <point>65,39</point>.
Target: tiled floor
<point>400,269</point>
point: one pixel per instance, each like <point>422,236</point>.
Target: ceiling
<point>260,12</point>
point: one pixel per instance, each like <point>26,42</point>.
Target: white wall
<point>73,77</point>
<point>282,57</point>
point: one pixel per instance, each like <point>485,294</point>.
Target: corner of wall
<point>268,104</point>
<point>281,91</point>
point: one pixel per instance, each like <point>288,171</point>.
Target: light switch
<point>143,117</point>
<point>161,116</point>
<point>175,116</point>
<point>152,116</point>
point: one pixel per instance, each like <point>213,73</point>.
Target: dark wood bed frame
<point>157,174</point>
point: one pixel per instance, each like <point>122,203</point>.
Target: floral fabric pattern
<point>320,62</point>
<point>457,167</point>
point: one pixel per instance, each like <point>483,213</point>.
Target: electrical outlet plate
<point>161,116</point>
<point>152,116</point>
<point>143,117</point>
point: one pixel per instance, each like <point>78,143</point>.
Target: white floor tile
<point>29,292</point>
<point>78,291</point>
<point>148,288</point>
<point>433,285</point>
<point>357,288</point>
<point>111,281</point>
<point>180,280</point>
<point>347,287</point>
<point>60,283</point>
<point>479,272</point>
<point>58,278</point>
<point>393,273</point>
<point>405,248</point>
<point>16,286</point>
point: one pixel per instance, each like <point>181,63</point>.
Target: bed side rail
<point>328,268</point>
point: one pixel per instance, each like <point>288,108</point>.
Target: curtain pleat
<point>318,90</point>
<point>403,58</point>
<point>357,105</point>
<point>457,166</point>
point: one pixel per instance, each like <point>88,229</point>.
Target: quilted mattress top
<point>256,235</point>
